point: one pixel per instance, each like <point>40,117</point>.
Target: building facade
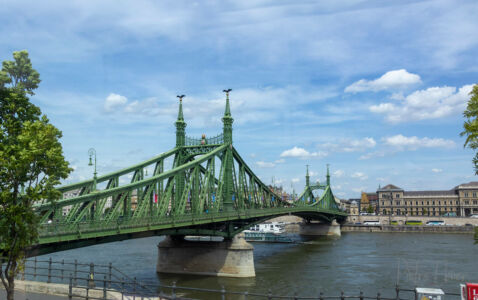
<point>368,202</point>
<point>462,200</point>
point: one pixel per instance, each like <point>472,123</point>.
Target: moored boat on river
<point>271,232</point>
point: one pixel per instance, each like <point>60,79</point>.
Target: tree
<point>471,124</point>
<point>20,73</point>
<point>370,209</point>
<point>31,164</point>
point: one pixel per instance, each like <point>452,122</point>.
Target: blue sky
<point>374,88</point>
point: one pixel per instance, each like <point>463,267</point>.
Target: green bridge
<point>201,187</point>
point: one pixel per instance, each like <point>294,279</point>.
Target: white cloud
<point>302,153</point>
<point>372,155</point>
<point>338,173</point>
<point>295,180</point>
<point>149,106</point>
<point>359,175</point>
<point>432,103</point>
<point>114,101</point>
<point>435,170</point>
<point>413,143</point>
<point>359,189</point>
<point>264,164</point>
<point>390,80</point>
<point>279,161</point>
<point>351,145</point>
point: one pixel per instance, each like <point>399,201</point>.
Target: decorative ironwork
<point>215,140</point>
<point>209,190</point>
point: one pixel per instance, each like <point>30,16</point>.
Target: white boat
<point>270,227</point>
<point>267,232</point>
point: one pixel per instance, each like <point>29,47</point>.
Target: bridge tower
<point>307,177</point>
<point>227,121</point>
<point>179,159</point>
<point>328,176</point>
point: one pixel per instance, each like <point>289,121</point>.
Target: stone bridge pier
<point>320,229</point>
<point>228,258</point>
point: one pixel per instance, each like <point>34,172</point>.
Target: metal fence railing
<point>104,281</point>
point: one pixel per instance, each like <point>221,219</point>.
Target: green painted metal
<point>209,190</point>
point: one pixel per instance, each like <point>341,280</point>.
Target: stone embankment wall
<point>406,228</point>
<point>453,225</point>
<point>385,220</point>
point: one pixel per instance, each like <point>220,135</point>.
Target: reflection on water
<point>370,262</point>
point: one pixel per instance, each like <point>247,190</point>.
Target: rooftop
<point>389,187</point>
<point>471,184</point>
<point>430,193</point>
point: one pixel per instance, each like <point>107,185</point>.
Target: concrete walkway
<point>20,295</point>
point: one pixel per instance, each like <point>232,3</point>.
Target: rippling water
<point>372,262</point>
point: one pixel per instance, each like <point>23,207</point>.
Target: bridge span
<point>208,190</point>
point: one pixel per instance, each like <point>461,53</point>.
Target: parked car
<point>474,216</point>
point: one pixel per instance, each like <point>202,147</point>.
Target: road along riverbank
<point>407,228</point>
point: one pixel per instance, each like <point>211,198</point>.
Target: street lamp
<point>92,152</point>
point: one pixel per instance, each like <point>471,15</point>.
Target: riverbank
<point>407,228</point>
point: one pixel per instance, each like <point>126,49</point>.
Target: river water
<point>371,262</point>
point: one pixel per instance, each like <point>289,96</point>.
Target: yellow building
<point>462,200</point>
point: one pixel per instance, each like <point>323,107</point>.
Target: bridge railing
<point>56,229</point>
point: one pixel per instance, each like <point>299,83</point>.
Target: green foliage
<point>19,73</point>
<point>31,164</point>
<point>471,124</point>
<point>370,209</point>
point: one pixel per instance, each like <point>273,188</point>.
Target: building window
<point>439,202</point>
<point>428,202</point>
<point>416,202</point>
<point>383,203</point>
<point>474,194</point>
<point>456,202</point>
<point>384,212</point>
<point>397,195</point>
<point>467,202</point>
<point>398,212</point>
<point>475,202</point>
<point>466,194</point>
<point>397,202</point>
<point>422,202</point>
<point>433,202</point>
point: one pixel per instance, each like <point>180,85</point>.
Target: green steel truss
<point>208,190</point>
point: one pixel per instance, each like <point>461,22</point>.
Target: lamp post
<point>92,152</point>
